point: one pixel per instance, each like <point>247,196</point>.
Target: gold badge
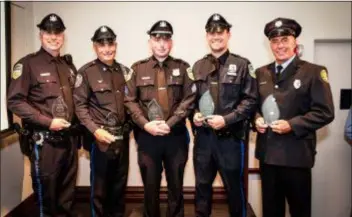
<point>324,75</point>
<point>190,73</point>
<point>17,71</point>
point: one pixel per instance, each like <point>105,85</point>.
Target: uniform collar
<point>105,67</point>
<point>222,59</point>
<point>165,63</point>
<point>285,64</point>
<point>47,56</point>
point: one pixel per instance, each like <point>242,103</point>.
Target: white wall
<point>320,20</point>
<point>15,175</point>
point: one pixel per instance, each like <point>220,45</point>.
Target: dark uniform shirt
<point>304,99</point>
<point>142,89</point>
<point>99,94</point>
<point>35,86</point>
<point>236,88</point>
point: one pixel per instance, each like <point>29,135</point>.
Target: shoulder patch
<point>17,71</point>
<point>79,80</point>
<point>127,74</point>
<point>251,71</point>
<point>324,75</point>
<point>190,73</point>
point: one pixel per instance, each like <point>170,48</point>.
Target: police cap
<point>52,23</point>
<point>217,23</point>
<point>282,27</point>
<point>161,28</point>
<point>104,34</point>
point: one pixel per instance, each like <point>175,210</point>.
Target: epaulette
<point>68,59</point>
<point>87,65</point>
<point>141,61</point>
<point>180,61</point>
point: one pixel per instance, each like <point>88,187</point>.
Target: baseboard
<point>135,194</point>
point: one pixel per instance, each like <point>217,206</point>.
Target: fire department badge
<point>297,83</point>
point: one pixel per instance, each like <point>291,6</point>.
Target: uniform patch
<point>17,71</point>
<point>297,83</point>
<point>78,80</point>
<point>190,73</point>
<point>251,71</point>
<point>324,75</point>
<point>194,88</point>
<point>128,74</point>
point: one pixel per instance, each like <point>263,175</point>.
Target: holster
<point>25,139</point>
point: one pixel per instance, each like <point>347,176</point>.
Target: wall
<point>320,20</point>
<point>15,178</point>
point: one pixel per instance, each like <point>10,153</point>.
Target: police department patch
<point>17,71</point>
<point>251,71</point>
<point>190,73</point>
<point>324,75</point>
<point>128,74</point>
<point>78,80</point>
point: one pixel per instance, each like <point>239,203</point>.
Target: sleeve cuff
<point>172,121</point>
<point>44,120</point>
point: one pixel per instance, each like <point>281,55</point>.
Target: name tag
<point>145,78</point>
<point>45,74</point>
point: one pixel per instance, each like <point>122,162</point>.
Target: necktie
<point>163,99</point>
<point>278,72</point>
<point>116,83</point>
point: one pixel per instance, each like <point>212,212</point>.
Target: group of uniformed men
<point>154,98</point>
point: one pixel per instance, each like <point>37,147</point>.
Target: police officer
<point>218,143</point>
<point>286,147</point>
<point>160,97</point>
<point>98,96</point>
<point>40,93</point>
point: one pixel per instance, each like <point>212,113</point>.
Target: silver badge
<point>78,80</point>
<point>297,83</point>
<point>216,17</point>
<point>278,23</point>
<point>232,70</point>
<point>103,29</point>
<point>53,18</point>
<point>194,88</point>
<point>176,72</point>
<point>162,24</point>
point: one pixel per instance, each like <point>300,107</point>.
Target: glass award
<point>155,112</point>
<point>270,110</point>
<point>59,109</point>
<point>206,104</point>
